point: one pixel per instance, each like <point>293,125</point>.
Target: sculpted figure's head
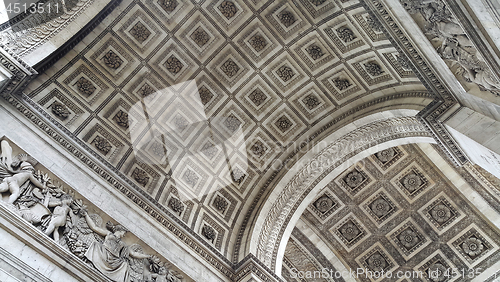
<point>66,199</point>
<point>118,229</point>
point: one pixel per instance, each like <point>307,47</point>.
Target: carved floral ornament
<point>60,110</point>
<point>370,134</point>
<point>62,215</point>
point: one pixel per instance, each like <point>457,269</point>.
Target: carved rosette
<point>84,86</point>
<point>315,52</point>
<point>168,5</point>
<point>220,204</point>
<point>230,68</point>
<point>205,95</point>
<point>140,176</point>
<point>200,37</point>
<point>257,97</point>
<point>145,90</point>
<point>60,110</point>
<point>258,149</point>
<point>238,175</point>
<point>173,65</point>
<point>283,124</point>
<point>287,18</point>
<point>373,69</point>
<point>232,123</point>
<point>228,9</point>
<point>258,42</point>
<point>140,32</point>
<point>208,232</point>
<point>102,144</point>
<point>346,34</point>
<point>112,60</point>
<point>285,73</point>
<point>341,83</point>
<point>176,205</point>
<point>311,101</point>
<point>121,119</point>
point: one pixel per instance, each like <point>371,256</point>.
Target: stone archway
<point>303,180</point>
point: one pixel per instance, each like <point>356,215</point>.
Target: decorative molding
<point>116,179</point>
<point>22,267</point>
<point>55,56</point>
<point>20,72</point>
<point>307,142</point>
<point>444,101</point>
<point>40,23</point>
<point>251,265</point>
<point>324,162</point>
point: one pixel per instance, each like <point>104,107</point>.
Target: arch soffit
<point>321,164</point>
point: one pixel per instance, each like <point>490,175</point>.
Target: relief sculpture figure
<point>453,43</point>
<point>111,256</point>
<point>48,206</point>
<point>15,173</point>
<point>59,215</point>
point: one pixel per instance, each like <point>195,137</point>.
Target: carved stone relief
<point>258,42</point>
<point>228,9</point>
<point>85,86</point>
<point>287,18</point>
<point>315,52</point>
<point>50,207</point>
<point>453,44</point>
<point>208,232</point>
<point>102,144</point>
<point>285,73</point>
<point>176,205</point>
<point>112,60</point>
<point>373,68</point>
<point>60,110</point>
<point>121,118</point>
<point>140,32</point>
<point>220,204</point>
<point>341,84</point>
<point>168,5</point>
<point>173,65</point>
<point>230,68</point>
<point>200,36</point>
<point>346,34</point>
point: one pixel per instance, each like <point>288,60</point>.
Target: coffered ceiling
<point>192,103</point>
<point>393,211</point>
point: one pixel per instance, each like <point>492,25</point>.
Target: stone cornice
<point>75,39</point>
<point>250,265</point>
<point>445,99</point>
<point>20,72</point>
